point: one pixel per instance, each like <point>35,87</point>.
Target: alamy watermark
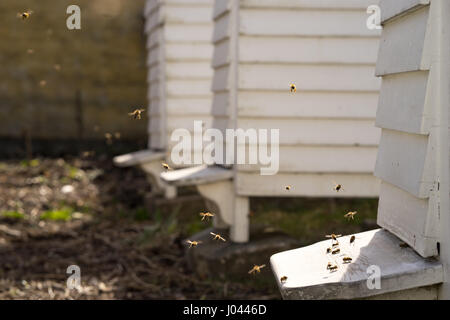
<point>374,278</point>
<point>74,20</point>
<point>374,20</point>
<point>74,281</point>
<point>211,147</point>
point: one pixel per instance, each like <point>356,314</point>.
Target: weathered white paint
<point>307,276</point>
<point>394,9</point>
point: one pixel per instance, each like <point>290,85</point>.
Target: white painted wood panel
<point>358,50</point>
<point>403,43</point>
<point>402,103</point>
<point>308,77</point>
<point>331,105</point>
<point>188,70</point>
<point>188,106</point>
<point>321,159</point>
<point>408,218</point>
<point>306,185</point>
<point>391,9</point>
<point>405,161</point>
<point>320,131</point>
<point>221,28</point>
<point>191,88</point>
<point>308,4</point>
<point>304,23</point>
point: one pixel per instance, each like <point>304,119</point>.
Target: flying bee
<point>352,239</point>
<point>347,260</point>
<point>136,113</point>
<point>42,83</point>
<point>337,187</point>
<point>165,166</point>
<point>283,279</point>
<point>292,87</point>
<point>117,135</point>
<point>256,269</point>
<point>336,251</point>
<point>217,237</point>
<point>193,243</point>
<point>288,188</point>
<point>24,15</point>
<point>206,215</point>
<point>351,215</point>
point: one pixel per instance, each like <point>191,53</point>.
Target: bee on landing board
<point>352,239</point>
<point>351,215</point>
<point>217,237</point>
<point>332,267</point>
<point>256,269</point>
<point>206,215</point>
<point>292,87</point>
<point>136,114</point>
<point>347,260</point>
<point>193,243</point>
<point>336,251</point>
<point>283,279</point>
<point>24,15</point>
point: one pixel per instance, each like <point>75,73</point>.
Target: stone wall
<point>71,84</point>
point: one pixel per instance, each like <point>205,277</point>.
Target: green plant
<point>13,215</point>
<point>63,214</point>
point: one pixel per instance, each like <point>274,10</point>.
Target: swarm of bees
<point>24,15</point>
<point>256,269</point>
<point>137,114</point>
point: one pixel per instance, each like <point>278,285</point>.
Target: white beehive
<point>179,78</point>
<point>179,60</point>
<point>411,117</point>
<point>327,131</point>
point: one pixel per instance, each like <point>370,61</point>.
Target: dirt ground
<point>55,213</point>
<point>83,211</point>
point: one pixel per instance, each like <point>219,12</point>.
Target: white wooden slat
<point>188,106</point>
<point>308,77</point>
<point>154,20</point>
<point>321,132</point>
<point>222,28</point>
<point>187,33</point>
<point>351,105</point>
<point>155,38</point>
<point>303,4</point>
<point>408,218</point>
<point>187,122</point>
<point>221,80</point>
<point>155,91</point>
<point>402,103</point>
<point>188,70</point>
<point>306,185</point>
<point>309,50</point>
<point>189,52</point>
<point>405,161</point>
<point>321,159</point>
<point>188,15</point>
<point>220,104</point>
<point>191,88</point>
<point>222,54</point>
<point>221,7</point>
<point>391,9</point>
<point>304,23</point>
<point>403,42</point>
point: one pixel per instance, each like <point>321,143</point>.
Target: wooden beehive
<point>179,68</point>
<point>327,131</point>
<point>411,116</point>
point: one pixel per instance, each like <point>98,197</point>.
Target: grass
<point>12,215</point>
<point>63,214</point>
<point>30,163</point>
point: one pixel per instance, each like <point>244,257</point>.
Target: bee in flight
<point>292,87</point>
<point>347,260</point>
<point>193,243</point>
<point>351,215</point>
<point>288,188</point>
<point>24,15</point>
<point>165,166</point>
<point>352,239</point>
<point>283,279</point>
<point>338,187</point>
<point>217,237</point>
<point>206,215</point>
<point>256,269</point>
<point>136,113</point>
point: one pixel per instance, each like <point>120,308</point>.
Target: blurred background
<point>64,102</point>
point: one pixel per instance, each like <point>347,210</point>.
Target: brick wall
<point>93,76</point>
